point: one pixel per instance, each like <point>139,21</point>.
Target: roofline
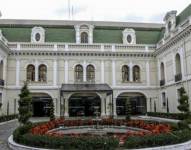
<point>28,22</point>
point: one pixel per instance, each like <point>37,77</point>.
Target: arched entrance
<point>84,104</point>
<point>137,101</point>
<point>41,104</point>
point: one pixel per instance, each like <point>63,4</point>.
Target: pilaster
<point>36,70</point>
<point>17,72</point>
<point>66,71</point>
<point>55,69</point>
<point>102,72</point>
<point>113,73</point>
<point>148,73</point>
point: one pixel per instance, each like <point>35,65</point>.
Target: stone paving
<point>5,131</point>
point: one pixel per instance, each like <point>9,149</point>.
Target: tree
<point>183,102</point>
<point>25,107</point>
<point>52,117</point>
<point>127,109</point>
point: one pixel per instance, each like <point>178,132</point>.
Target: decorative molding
<point>182,34</point>
<point>40,32</point>
<point>80,28</point>
<point>84,53</point>
<point>131,34</point>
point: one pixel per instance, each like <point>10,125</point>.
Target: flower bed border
<point>186,145</point>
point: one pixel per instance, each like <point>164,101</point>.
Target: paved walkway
<point>5,131</point>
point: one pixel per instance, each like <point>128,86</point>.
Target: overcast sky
<point>103,10</point>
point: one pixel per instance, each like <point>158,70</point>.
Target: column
<point>36,70</point>
<point>84,71</point>
<point>17,72</point>
<point>55,72</point>
<point>66,71</point>
<point>114,106</point>
<point>66,114</point>
<point>108,105</point>
<point>62,106</point>
<point>103,106</point>
<point>131,71</point>
<point>102,72</point>
<point>148,73</point>
<point>113,73</point>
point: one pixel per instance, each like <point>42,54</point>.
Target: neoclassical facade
<point>90,67</point>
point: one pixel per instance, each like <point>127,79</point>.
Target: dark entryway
<point>84,104</point>
<point>41,105</point>
<point>137,102</point>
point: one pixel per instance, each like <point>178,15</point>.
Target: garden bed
<point>40,135</point>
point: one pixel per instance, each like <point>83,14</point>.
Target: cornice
<point>82,54</point>
<point>174,40</point>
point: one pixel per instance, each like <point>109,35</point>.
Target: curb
<point>182,146</point>
<point>2,123</point>
<point>14,146</point>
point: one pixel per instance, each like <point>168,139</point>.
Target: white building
<point>88,65</point>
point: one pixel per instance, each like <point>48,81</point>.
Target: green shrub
<point>178,116</point>
<point>20,131</point>
<point>8,117</point>
<point>158,140</point>
<point>81,143</point>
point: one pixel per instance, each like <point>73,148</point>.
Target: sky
<point>92,10</point>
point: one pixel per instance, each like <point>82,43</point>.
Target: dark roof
<point>86,88</point>
<point>101,35</point>
<point>183,15</point>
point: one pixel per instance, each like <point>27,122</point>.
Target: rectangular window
<point>163,99</point>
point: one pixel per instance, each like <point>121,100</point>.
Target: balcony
<point>162,82</point>
<point>2,82</point>
<point>178,77</point>
<point>81,47</point>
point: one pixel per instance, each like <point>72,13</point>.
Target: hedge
<point>158,140</point>
<point>7,117</point>
<point>178,116</point>
<point>22,136</point>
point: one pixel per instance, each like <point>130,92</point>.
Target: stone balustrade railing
<point>81,47</point>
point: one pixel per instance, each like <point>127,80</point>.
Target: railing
<point>162,82</point>
<point>81,47</point>
<point>2,83</point>
<point>178,77</point>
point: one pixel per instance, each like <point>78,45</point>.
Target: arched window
<point>178,64</point>
<point>90,73</point>
<point>162,71</point>
<point>30,73</point>
<point>178,75</point>
<point>125,73</point>
<point>136,74</point>
<point>42,70</point>
<point>84,37</point>
<point>79,73</point>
